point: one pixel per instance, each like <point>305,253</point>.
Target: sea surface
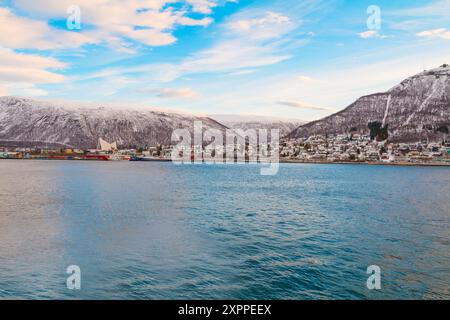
<point>162,231</point>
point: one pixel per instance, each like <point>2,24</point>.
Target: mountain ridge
<point>415,109</point>
<point>285,126</point>
<point>30,122</point>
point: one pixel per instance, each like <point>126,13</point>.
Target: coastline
<point>401,164</point>
<point>281,161</point>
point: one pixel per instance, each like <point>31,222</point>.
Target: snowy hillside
<point>34,123</point>
<point>418,108</point>
<point>258,122</point>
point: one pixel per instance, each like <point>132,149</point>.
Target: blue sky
<point>282,58</point>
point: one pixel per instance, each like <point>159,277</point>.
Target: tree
<point>377,131</point>
<point>383,134</point>
<point>374,128</point>
<point>443,129</point>
<point>159,150</point>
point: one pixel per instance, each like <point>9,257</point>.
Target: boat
<point>93,157</point>
<point>145,158</point>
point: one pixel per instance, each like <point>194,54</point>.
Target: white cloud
<point>368,34</point>
<point>242,72</point>
<point>426,17</point>
<point>239,48</point>
<point>186,21</point>
<point>267,26</point>
<point>305,79</point>
<point>440,33</point>
<point>222,58</point>
<point>21,73</point>
<point>19,32</point>
<point>377,74</point>
<point>301,105</point>
<point>249,41</point>
<point>205,6</point>
<point>436,8</point>
<point>183,93</point>
<point>148,22</point>
<point>16,67</point>
<point>233,53</point>
<point>202,6</point>
<point>371,34</point>
<point>271,18</point>
<point>10,58</point>
<point>24,89</point>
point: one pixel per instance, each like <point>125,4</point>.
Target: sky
<point>279,58</point>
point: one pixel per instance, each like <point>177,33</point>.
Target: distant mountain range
<point>418,108</point>
<point>31,123</point>
<point>258,122</point>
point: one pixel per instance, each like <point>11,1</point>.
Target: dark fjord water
<point>160,231</point>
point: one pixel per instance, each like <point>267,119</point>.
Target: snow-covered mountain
<point>28,122</point>
<point>418,108</point>
<point>258,122</point>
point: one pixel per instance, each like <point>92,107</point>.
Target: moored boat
<point>145,158</point>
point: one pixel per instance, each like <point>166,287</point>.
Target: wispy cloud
<point>233,52</point>
<point>18,67</point>
<point>245,43</point>
<point>441,33</point>
<point>202,6</point>
<point>435,8</point>
<point>21,73</point>
<point>232,55</point>
<point>24,33</point>
<point>302,105</point>
<point>423,17</point>
<point>305,79</point>
<point>242,72</point>
<point>371,34</point>
<point>149,23</point>
<point>124,25</point>
<point>183,93</point>
<point>283,51</point>
<point>25,89</point>
<point>262,26</point>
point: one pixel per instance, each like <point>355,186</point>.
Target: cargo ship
<point>137,158</point>
<point>20,156</point>
<point>94,157</point>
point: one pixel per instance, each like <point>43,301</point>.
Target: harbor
<point>105,152</point>
<point>337,149</point>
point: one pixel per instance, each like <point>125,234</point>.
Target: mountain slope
<point>418,108</point>
<point>31,123</point>
<point>284,127</point>
<point>258,122</point>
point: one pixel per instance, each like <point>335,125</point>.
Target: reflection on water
<point>160,231</point>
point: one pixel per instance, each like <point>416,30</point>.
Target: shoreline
<point>400,164</point>
<point>281,161</point>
